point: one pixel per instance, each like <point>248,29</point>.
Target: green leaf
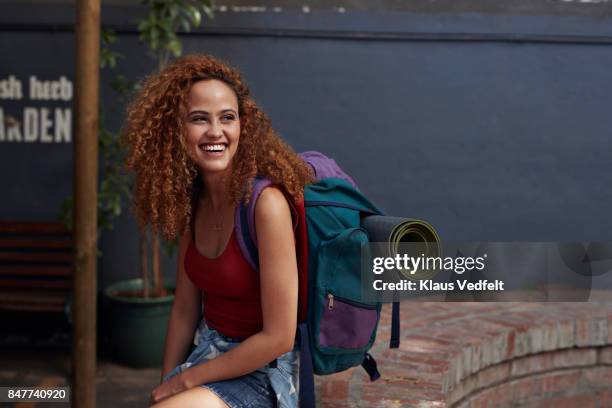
<point>143,26</point>
<point>207,6</point>
<point>108,36</point>
<point>154,36</point>
<point>194,14</point>
<point>173,11</point>
<point>184,24</point>
<point>208,10</point>
<point>175,47</point>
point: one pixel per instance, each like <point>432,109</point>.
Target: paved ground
<point>39,355</point>
<point>404,381</point>
<point>117,386</point>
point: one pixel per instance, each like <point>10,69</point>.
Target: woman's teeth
<point>214,148</point>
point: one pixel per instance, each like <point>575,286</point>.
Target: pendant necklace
<point>218,224</point>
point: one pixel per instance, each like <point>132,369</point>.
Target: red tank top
<point>230,289</point>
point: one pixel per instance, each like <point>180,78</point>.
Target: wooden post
<point>85,185</point>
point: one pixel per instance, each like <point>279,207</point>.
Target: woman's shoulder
<point>272,202</point>
<point>273,218</point>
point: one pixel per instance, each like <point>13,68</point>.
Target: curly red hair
<point>166,175</point>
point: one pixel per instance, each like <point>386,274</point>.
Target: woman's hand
<point>168,388</point>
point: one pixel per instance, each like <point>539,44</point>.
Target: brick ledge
<point>445,344</point>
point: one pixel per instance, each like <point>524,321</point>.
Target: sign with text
<point>26,112</point>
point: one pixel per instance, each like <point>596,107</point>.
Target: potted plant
<point>137,310</point>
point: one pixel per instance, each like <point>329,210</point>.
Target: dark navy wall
<point>492,127</point>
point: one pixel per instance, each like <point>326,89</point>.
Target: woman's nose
<point>214,129</point>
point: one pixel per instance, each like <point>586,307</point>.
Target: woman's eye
<point>228,117</point>
<point>199,119</point>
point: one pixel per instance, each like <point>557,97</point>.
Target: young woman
<point>197,140</point>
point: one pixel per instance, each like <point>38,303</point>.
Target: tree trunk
<point>157,276</point>
<point>144,262</point>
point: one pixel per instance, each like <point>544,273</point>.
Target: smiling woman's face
<point>212,125</point>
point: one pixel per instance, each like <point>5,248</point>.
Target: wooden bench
<point>36,266</point>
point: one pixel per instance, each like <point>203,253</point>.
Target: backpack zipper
<point>315,203</point>
<point>331,297</point>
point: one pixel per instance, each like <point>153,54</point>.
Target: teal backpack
<point>335,327</point>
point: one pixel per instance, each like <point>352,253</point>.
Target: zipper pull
<point>330,299</point>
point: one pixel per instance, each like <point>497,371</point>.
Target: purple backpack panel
<point>324,167</point>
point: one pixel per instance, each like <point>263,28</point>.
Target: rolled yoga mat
<point>391,231</point>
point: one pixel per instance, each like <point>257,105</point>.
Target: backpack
<point>335,328</point>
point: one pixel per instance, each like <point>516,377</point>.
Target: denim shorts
<point>263,388</point>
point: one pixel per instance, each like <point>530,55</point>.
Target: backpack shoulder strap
<point>244,220</point>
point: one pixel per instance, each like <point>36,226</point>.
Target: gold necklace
<point>218,224</point>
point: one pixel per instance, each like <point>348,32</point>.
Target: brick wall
<point>468,355</point>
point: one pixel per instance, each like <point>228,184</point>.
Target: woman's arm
<point>186,311</point>
<point>279,288</point>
